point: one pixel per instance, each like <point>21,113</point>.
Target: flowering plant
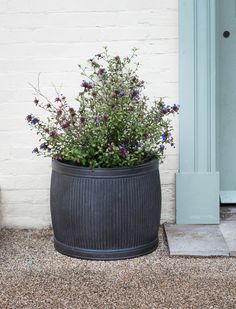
<point>112,125</point>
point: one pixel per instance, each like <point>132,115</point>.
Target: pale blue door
<point>226,32</point>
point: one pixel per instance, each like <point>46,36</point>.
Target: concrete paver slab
<point>196,240</point>
<point>228,229</point>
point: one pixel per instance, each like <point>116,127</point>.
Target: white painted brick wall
<point>52,37</point>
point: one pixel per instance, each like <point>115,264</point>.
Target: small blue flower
<point>164,137</point>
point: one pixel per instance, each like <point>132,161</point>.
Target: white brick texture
<point>52,37</point>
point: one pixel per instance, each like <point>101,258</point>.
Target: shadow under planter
<point>105,213</point>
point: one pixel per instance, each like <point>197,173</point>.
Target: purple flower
<point>105,118</point>
<point>53,134</point>
<point>165,110</point>
<point>35,150</point>
<point>34,121</point>
<point>121,93</point>
<point>57,99</point>
<point>135,94</point>
<point>134,79</point>
<point>72,111</point>
<point>117,58</point>
<point>84,84</point>
<point>87,85</point>
<point>36,101</point>
<point>59,112</point>
<point>43,146</point>
<point>94,93</point>
<point>122,151</point>
<point>82,119</point>
<point>65,124</point>
<point>101,71</point>
<point>136,145</point>
<point>165,136</point>
<point>175,108</point>
<point>117,93</point>
<point>29,118</point>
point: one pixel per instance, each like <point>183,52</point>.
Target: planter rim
<point>113,172</point>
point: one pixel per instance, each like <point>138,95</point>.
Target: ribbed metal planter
<point>105,213</point>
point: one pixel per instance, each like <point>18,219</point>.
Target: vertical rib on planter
<point>105,213</point>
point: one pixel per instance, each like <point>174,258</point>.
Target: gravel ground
<point>33,275</point>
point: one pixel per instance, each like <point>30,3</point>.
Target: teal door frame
<point>197,181</point>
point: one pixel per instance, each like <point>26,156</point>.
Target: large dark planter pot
<point>105,213</point>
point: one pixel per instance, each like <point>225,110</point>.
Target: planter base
<point>116,254</point>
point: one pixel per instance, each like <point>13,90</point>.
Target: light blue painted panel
<point>198,204</point>
<point>227,95</point>
<point>187,92</point>
<point>227,197</point>
<point>202,86</point>
<point>197,183</point>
